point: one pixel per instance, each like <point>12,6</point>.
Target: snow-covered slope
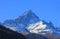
<point>39,27</point>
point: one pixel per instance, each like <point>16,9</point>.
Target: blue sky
<point>48,10</point>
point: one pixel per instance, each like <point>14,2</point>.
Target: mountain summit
<point>27,17</point>
<point>21,22</point>
<point>29,22</point>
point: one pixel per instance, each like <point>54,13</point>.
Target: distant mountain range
<point>29,22</point>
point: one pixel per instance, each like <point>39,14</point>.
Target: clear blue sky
<point>48,10</point>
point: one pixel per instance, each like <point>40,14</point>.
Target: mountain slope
<point>21,22</point>
<point>29,22</point>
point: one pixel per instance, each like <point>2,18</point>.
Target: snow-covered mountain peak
<point>29,22</point>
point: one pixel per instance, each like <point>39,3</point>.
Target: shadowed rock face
<point>9,34</point>
<point>35,36</point>
<point>51,36</point>
<point>40,36</point>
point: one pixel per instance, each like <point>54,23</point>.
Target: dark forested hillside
<point>9,34</point>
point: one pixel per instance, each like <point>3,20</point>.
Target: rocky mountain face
<point>21,22</point>
<point>29,22</point>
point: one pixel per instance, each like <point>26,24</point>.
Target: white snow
<point>37,27</point>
